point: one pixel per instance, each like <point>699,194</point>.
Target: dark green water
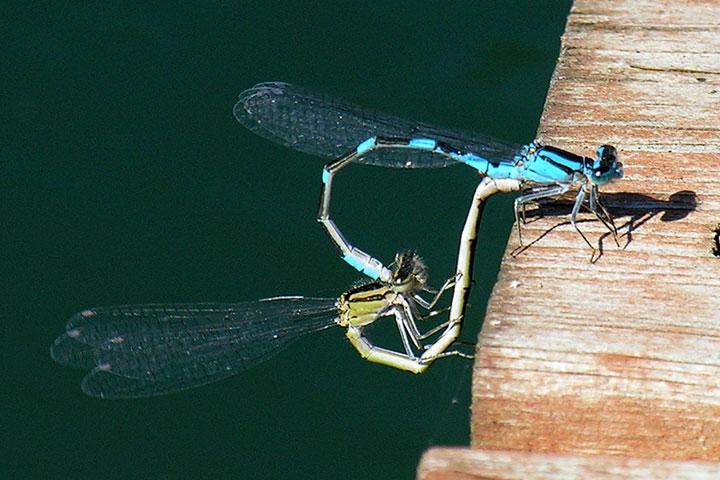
<point>126,179</point>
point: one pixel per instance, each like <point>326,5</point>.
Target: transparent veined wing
<point>320,125</point>
<point>146,350</point>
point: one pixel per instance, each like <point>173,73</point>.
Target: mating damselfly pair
<point>147,350</point>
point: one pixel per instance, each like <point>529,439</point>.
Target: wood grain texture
<point>619,357</point>
<point>466,464</point>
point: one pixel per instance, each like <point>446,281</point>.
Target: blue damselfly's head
<point>606,168</point>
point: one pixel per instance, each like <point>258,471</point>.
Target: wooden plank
<point>466,464</point>
<point>619,357</point>
<point>612,369</point>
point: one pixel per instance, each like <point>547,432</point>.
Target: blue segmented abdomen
<point>504,169</point>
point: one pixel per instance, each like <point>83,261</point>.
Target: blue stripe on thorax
<point>550,165</point>
<point>544,165</point>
